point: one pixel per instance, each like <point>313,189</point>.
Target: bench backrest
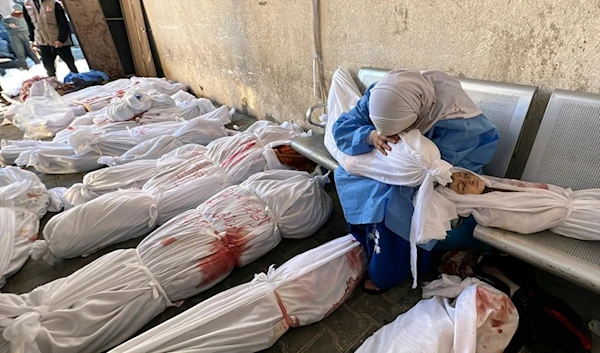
<point>505,105</point>
<point>566,151</point>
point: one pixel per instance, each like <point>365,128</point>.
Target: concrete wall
<point>257,55</point>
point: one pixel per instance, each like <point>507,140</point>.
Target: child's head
<point>466,183</point>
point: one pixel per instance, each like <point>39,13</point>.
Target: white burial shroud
<point>110,299</point>
<point>482,319</point>
<point>126,214</point>
<point>527,208</point>
<point>413,161</point>
<point>253,316</point>
<point>131,175</point>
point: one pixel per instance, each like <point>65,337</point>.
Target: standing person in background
<point>19,37</point>
<point>50,32</point>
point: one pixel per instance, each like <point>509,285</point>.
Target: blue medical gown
<point>467,143</point>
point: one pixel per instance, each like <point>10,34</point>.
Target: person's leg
<point>389,256</point>
<point>67,56</point>
<point>28,51</point>
<point>48,59</point>
<point>19,50</point>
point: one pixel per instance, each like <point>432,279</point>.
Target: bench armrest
<point>310,111</point>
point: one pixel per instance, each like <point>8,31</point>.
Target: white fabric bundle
<point>44,114</point>
<point>252,316</point>
<point>23,190</point>
<point>527,208</point>
<point>90,311</point>
<point>481,319</point>
<point>201,130</point>
<point>11,149</point>
<point>233,228</point>
<point>110,299</point>
<point>98,97</point>
<point>128,176</point>
<point>106,220</point>
<point>18,230</point>
<point>57,158</point>
<point>133,103</point>
<point>413,161</point>
<point>118,216</point>
<point>147,150</point>
<point>23,200</point>
<point>228,161</point>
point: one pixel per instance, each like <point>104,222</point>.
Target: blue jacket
<point>467,143</point>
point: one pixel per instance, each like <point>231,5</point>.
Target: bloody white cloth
<point>134,103</point>
<point>94,225</point>
<point>23,200</point>
<point>21,189</point>
<point>233,228</point>
<point>227,161</point>
<point>127,176</point>
<point>414,161</point>
<point>108,300</point>
<point>43,114</point>
<point>253,316</point>
<point>18,231</point>
<point>117,216</point>
<point>527,208</point>
<point>87,144</point>
<point>202,130</point>
<point>481,319</point>
<point>98,97</point>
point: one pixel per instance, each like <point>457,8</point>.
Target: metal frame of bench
<point>505,105</point>
<point>563,154</point>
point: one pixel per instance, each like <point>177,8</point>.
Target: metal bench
<point>565,153</point>
<point>505,105</point>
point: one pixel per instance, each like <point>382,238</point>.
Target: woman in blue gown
<point>435,103</point>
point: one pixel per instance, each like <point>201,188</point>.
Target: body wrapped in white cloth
<point>527,208</point>
<point>481,319</point>
<point>253,316</point>
<point>87,144</point>
<point>110,299</point>
<point>227,161</point>
<point>23,200</point>
<point>414,161</point>
<point>126,176</point>
<point>18,231</point>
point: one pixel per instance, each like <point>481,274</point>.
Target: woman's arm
<point>352,130</point>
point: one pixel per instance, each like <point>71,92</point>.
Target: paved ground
<point>343,331</point>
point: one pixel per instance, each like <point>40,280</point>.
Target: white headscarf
<point>406,99</point>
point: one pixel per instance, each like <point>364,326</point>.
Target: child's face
<point>466,183</point>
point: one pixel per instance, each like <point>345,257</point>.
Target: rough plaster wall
<point>257,55</point>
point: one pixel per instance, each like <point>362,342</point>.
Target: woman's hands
<point>382,142</point>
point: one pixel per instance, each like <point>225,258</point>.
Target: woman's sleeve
<point>352,130</point>
<point>467,143</point>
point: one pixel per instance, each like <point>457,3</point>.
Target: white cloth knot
<point>264,277</point>
<point>23,330</point>
<point>441,171</point>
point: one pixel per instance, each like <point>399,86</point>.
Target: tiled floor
<point>343,331</point>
